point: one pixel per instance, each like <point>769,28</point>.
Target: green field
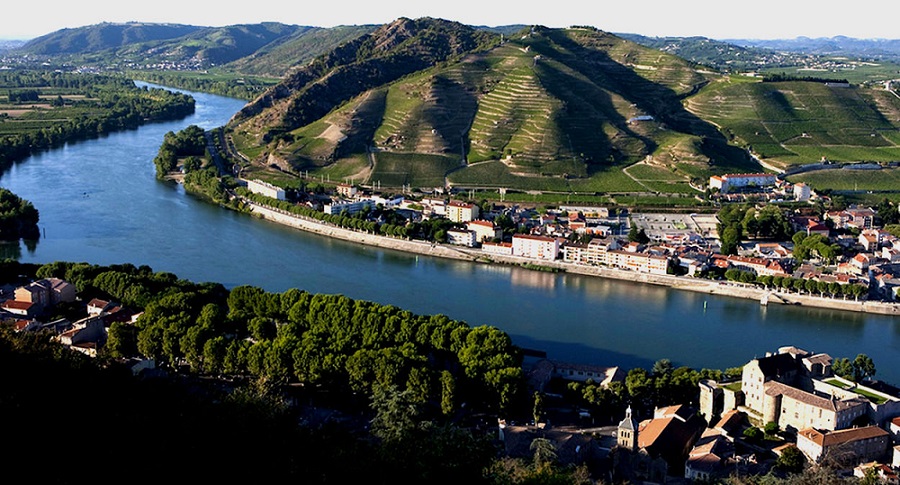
<point>415,170</point>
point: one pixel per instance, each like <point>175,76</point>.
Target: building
<point>347,191</point>
<point>797,390</point>
<point>350,207</point>
<point>869,443</point>
<point>802,192</point>
<point>484,230</point>
<point>639,262</point>
<point>728,182</point>
<point>264,188</point>
<point>711,457</point>
<point>42,294</point>
<point>500,249</point>
<point>667,437</point>
<point>461,238</point>
<point>461,212</point>
<point>535,247</point>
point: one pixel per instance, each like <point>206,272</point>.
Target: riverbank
<point>721,288</point>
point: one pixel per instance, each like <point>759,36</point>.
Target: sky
<point>717,19</point>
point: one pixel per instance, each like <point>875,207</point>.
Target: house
<point>97,306</point>
<point>884,473</point>
<point>21,308</point>
<point>347,191</point>
<point>711,457</point>
<point>869,443</point>
<point>545,370</point>
<point>670,435</point>
<point>802,192</point>
<point>86,335</point>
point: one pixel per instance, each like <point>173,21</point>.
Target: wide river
<point>100,203</point>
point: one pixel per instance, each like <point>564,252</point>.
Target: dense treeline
<point>189,142</point>
<point>295,336</point>
<point>240,87</point>
<point>782,77</point>
<point>18,217</point>
<point>110,104</point>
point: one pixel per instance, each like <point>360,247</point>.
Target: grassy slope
<point>800,122</point>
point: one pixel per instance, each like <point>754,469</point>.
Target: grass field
<point>416,170</point>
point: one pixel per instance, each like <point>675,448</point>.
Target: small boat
<point>764,300</point>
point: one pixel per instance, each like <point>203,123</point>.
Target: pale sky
<point>717,19</point>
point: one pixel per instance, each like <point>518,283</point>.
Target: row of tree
<point>314,339</point>
<point>811,286</point>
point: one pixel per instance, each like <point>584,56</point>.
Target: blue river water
<point>100,203</point>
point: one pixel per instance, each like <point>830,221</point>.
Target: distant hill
<point>7,45</point>
<point>287,52</point>
<point>702,50</point>
<point>830,46</point>
<point>102,37</point>
<point>214,45</point>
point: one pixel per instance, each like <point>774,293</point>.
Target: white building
<point>727,182</point>
<point>535,247</point>
<point>461,238</point>
<point>264,188</point>
<point>350,207</point>
<point>802,191</point>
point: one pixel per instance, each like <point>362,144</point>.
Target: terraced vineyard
<point>800,122</point>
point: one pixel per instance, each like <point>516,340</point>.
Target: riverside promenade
<point>722,288</point>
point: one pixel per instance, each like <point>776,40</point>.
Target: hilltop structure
<point>797,390</point>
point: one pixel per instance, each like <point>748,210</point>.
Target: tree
<point>863,367</point>
<point>753,433</point>
<point>395,414</point>
<point>544,452</point>
<point>791,460</point>
<point>842,367</point>
<point>538,410</point>
<point>662,367</point>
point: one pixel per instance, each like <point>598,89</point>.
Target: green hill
<point>547,108</point>
<point>285,53</point>
<point>105,36</point>
<point>797,122</point>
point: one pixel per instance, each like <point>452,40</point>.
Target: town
<point>808,253</point>
<point>786,411</point>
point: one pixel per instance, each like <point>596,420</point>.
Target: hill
<point>546,107</point>
<point>794,122</point>
<point>887,49</point>
<point>721,55</point>
<point>281,55</point>
<point>105,36</point>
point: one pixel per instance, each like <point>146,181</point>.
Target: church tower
<point>627,432</point>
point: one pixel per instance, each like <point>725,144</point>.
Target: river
<point>100,203</point>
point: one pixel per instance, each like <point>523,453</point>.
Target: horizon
<point>766,20</point>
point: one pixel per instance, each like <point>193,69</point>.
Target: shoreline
<point>686,283</point>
